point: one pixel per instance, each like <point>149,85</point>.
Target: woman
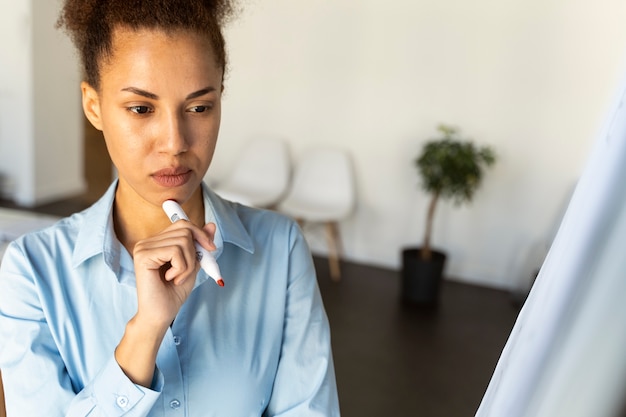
<point>108,312</point>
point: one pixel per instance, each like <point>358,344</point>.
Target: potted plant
<point>450,168</point>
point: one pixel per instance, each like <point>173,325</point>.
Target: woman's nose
<point>173,139</point>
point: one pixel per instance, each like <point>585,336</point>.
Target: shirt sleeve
<point>305,380</point>
<point>34,374</point>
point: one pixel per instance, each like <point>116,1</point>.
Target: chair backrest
<point>324,180</point>
<point>260,175</point>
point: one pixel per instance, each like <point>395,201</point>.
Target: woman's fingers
<point>172,252</point>
<point>204,236</point>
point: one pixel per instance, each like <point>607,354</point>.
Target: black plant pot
<point>421,279</point>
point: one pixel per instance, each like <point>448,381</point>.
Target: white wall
<point>16,98</point>
<point>58,110</point>
<point>40,120</point>
<point>533,79</point>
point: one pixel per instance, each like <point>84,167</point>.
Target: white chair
<point>260,176</point>
<point>322,191</point>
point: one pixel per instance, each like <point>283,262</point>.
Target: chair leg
<point>332,237</point>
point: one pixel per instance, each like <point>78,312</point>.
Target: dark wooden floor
<point>393,359</point>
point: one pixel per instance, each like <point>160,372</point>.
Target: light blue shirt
<point>260,346</point>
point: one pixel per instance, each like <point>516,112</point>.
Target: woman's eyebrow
<point>153,96</point>
<point>200,93</point>
<point>141,92</point>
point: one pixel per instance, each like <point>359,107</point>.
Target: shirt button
<point>175,404</point>
<point>122,401</point>
<point>176,340</point>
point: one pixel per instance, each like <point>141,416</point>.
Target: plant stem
<point>426,252</point>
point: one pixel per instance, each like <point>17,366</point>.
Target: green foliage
<point>451,167</point>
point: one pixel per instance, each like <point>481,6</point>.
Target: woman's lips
<point>172,177</point>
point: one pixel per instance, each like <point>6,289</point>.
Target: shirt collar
<point>97,234</point>
<point>229,226</point>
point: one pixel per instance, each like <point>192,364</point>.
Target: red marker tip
<point>220,282</point>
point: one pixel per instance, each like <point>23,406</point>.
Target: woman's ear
<point>91,105</point>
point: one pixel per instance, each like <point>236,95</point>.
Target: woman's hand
<point>165,271</point>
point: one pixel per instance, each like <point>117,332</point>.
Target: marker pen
<point>175,212</point>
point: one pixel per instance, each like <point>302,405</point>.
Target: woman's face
<point>159,107</point>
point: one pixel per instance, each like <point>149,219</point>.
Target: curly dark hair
<point>90,25</point>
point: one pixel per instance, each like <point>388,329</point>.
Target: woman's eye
<point>139,109</point>
<point>198,109</point>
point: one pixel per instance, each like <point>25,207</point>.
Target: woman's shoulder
<point>49,233</point>
<point>268,219</point>
<point>250,217</point>
<point>57,234</point>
